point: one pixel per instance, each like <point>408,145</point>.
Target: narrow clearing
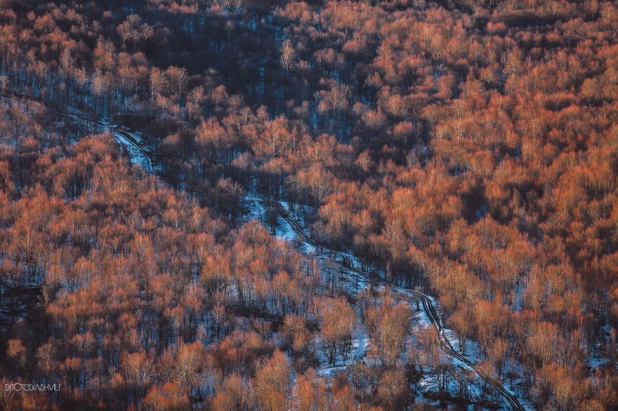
<point>139,154</point>
<point>510,400</point>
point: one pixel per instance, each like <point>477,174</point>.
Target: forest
<point>309,205</point>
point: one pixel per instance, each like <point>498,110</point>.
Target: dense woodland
<point>468,149</point>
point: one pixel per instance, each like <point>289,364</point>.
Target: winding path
<point>123,135</point>
<point>510,400</point>
<point>143,156</point>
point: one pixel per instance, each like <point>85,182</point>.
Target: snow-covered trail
<point>509,399</point>
<point>132,143</point>
<point>130,140</point>
<point>141,155</point>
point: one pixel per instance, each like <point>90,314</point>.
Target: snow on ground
<point>420,317</point>
<point>595,359</point>
<point>133,142</point>
<point>351,281</point>
<point>135,154</point>
<point>284,231</point>
<point>130,140</point>
<point>347,279</point>
<point>360,341</point>
<point>257,211</point>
